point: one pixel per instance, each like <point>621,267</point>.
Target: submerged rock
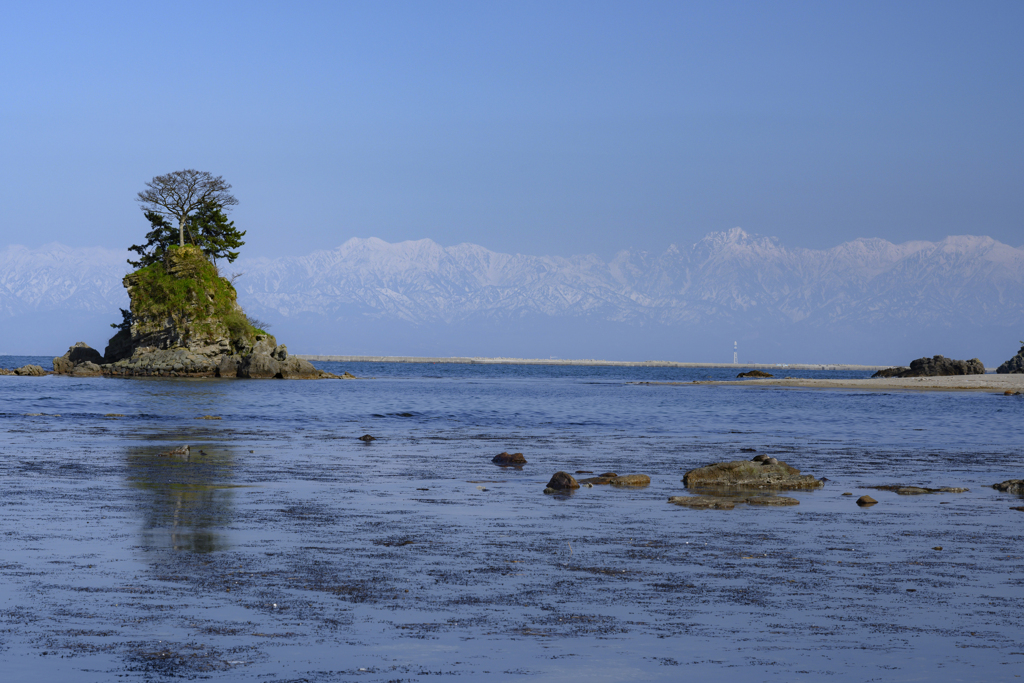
<point>704,502</point>
<point>730,502</point>
<point>179,452</point>
<point>367,438</point>
<point>754,373</point>
<point>904,490</point>
<point>772,501</point>
<point>504,458</point>
<point>1010,486</point>
<point>748,474</point>
<point>630,480</point>
<point>562,481</point>
<point>599,480</point>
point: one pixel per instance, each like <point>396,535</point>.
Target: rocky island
<point>184,319</point>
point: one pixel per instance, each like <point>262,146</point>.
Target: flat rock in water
<point>562,481</point>
<point>505,458</point>
<point>748,474</point>
<point>917,490</point>
<point>704,502</point>
<point>1010,486</point>
<point>772,501</point>
<point>754,373</point>
<point>865,501</point>
<point>630,480</point>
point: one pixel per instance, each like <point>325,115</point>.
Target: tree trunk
<point>181,232</point>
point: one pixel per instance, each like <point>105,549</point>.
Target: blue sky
<point>554,128</point>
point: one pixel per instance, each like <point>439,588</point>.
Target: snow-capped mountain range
<point>730,282</point>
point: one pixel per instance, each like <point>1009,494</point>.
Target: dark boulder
<point>865,501</point>
<point>505,458</point>
<point>1010,486</point>
<point>367,438</point>
<point>754,373</point>
<point>562,481</point>
<point>295,368</point>
<point>1014,366</point>
<point>79,353</point>
<point>259,366</point>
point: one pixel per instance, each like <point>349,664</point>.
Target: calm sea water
<point>288,549</point>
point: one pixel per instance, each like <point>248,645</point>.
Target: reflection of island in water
<point>188,500</point>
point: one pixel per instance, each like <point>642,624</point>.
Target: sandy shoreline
<point>991,383</point>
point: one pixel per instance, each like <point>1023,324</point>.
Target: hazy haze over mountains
<point>864,301</point>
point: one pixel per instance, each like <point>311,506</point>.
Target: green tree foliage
<point>126,321</point>
<point>161,236</point>
<point>208,228</point>
<point>212,232</point>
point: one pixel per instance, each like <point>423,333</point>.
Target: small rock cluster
<point>563,481</point>
<point>506,459</point>
<point>25,371</point>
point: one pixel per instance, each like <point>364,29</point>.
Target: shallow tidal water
<point>289,550</point>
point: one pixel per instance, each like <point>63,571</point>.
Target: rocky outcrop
<point>754,373</point>
<point>25,371</point>
<point>747,474</point>
<point>1014,366</point>
<point>936,366</point>
<point>79,353</point>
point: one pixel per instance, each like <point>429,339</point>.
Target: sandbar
<point>991,383</point>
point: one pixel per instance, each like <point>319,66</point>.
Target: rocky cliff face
<point>185,321</point>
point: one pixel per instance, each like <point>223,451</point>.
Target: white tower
<point>735,354</point>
